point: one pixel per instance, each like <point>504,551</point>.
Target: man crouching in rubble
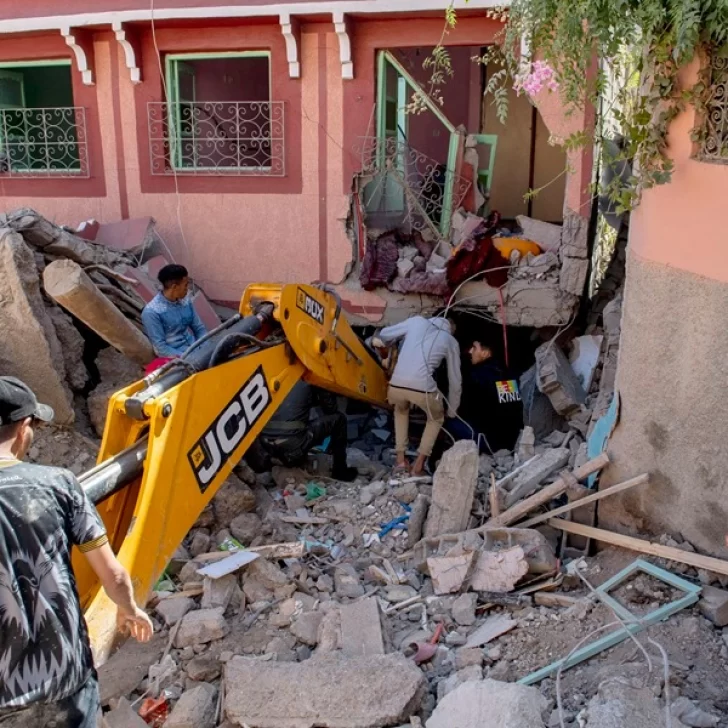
<point>170,320</point>
<point>47,676</point>
<point>424,345</point>
<point>293,431</point>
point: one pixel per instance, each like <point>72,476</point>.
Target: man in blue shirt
<point>169,319</point>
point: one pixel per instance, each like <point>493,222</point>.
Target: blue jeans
<point>463,431</point>
<point>80,710</point>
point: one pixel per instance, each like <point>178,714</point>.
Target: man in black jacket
<point>491,410</point>
<point>291,432</point>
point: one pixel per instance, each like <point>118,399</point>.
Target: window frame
<point>71,172</point>
<point>174,120</point>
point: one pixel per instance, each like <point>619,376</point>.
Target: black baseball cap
<point>17,402</point>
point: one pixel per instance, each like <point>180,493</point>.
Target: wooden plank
<point>639,480</point>
<point>514,514</point>
<point>719,566</point>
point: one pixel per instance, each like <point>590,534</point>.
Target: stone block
<point>347,582</point>
<point>203,668</point>
<point>714,605</point>
<point>195,709</point>
<point>404,267</point>
<point>31,350</point>
<point>361,629</point>
<point>490,704</point>
<point>463,609</point>
<point>246,527</point>
<point>220,592</point>
<point>472,672</point>
<point>305,628</point>
<point>200,627</point>
<point>453,490</point>
<point>233,498</point>
<point>172,609</point>
<point>557,380</point>
<point>327,691</point>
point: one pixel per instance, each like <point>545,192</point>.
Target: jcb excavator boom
<point>171,440</point>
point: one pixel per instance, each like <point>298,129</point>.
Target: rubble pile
<point>92,343</point>
<point>300,600</point>
<point>535,273</point>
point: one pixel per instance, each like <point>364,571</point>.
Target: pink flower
<point>532,81</point>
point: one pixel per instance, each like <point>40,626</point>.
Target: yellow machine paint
<point>148,519</point>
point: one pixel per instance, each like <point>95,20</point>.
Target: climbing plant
<point>622,56</point>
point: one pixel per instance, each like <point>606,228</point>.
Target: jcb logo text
<point>214,448</point>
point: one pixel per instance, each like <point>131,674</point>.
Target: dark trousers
<point>291,450</point>
<point>80,710</point>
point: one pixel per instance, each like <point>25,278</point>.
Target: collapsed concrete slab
<point>31,350</point>
<point>490,704</point>
<point>453,490</point>
<point>327,691</point>
<point>525,480</point>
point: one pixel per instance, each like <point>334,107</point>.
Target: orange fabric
<point>505,246</point>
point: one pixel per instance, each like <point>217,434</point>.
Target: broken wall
<point>673,363</point>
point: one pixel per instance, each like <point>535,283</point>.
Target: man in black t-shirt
<point>47,676</point>
<point>491,403</point>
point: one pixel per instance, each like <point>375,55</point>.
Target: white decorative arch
<point>343,29</point>
<point>292,34</point>
<point>82,49</point>
<point>131,48</point>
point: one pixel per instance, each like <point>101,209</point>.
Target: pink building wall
<point>673,358</point>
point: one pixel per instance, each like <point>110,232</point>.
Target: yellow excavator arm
<point>172,439</point>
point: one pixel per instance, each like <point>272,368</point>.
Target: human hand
<point>136,623</point>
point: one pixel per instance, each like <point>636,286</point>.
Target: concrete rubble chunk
<point>200,627</point>
<point>195,709</point>
<point>499,571</point>
<point>547,235</point>
<point>327,691</point>
<point>452,682</point>
<point>692,715</point>
<point>490,704</point>
<point>219,592</point>
<point>572,276</point>
<point>126,668</point>
<point>72,346</point>
<point>617,705</point>
<point>453,490</point>
<point>463,609</point>
<point>417,518</point>
<point>172,609</point>
<point>31,350</point>
<point>448,573</point>
<point>116,371</point>
<point>123,716</point>
<point>714,605</point>
<point>267,574</point>
<point>233,498</point>
<point>203,668</point>
<point>245,527</point>
<point>305,627</point>
<point>347,583</point>
<point>361,629</point>
<point>557,380</point>
<point>524,480</point>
